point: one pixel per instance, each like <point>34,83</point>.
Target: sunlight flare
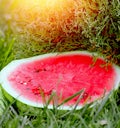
<point>54,4</point>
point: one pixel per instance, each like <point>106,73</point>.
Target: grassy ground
<point>97,29</point>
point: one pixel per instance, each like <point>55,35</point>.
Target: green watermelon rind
<point>14,64</point>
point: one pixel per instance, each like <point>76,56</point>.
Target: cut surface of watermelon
<point>29,80</point>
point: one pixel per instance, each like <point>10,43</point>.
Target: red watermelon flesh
<point>64,74</point>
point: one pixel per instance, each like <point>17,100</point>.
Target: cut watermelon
<point>33,80</point>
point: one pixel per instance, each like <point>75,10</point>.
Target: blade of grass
<point>8,51</point>
<point>50,99</point>
<point>71,97</point>
<point>101,105</point>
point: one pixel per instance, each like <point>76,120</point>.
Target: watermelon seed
<point>36,91</point>
<point>38,70</point>
<point>44,69</point>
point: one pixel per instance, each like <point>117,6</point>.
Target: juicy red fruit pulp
<point>65,75</point>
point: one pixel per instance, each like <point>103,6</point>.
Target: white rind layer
<point>6,71</point>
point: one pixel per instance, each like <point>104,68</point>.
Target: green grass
<point>105,114</point>
<point>100,34</point>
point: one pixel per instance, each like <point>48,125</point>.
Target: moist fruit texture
<point>65,75</point>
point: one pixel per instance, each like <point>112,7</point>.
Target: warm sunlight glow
<point>47,18</point>
<point>54,20</point>
<point>52,4</point>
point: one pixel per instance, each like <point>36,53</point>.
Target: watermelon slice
<point>32,81</point>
